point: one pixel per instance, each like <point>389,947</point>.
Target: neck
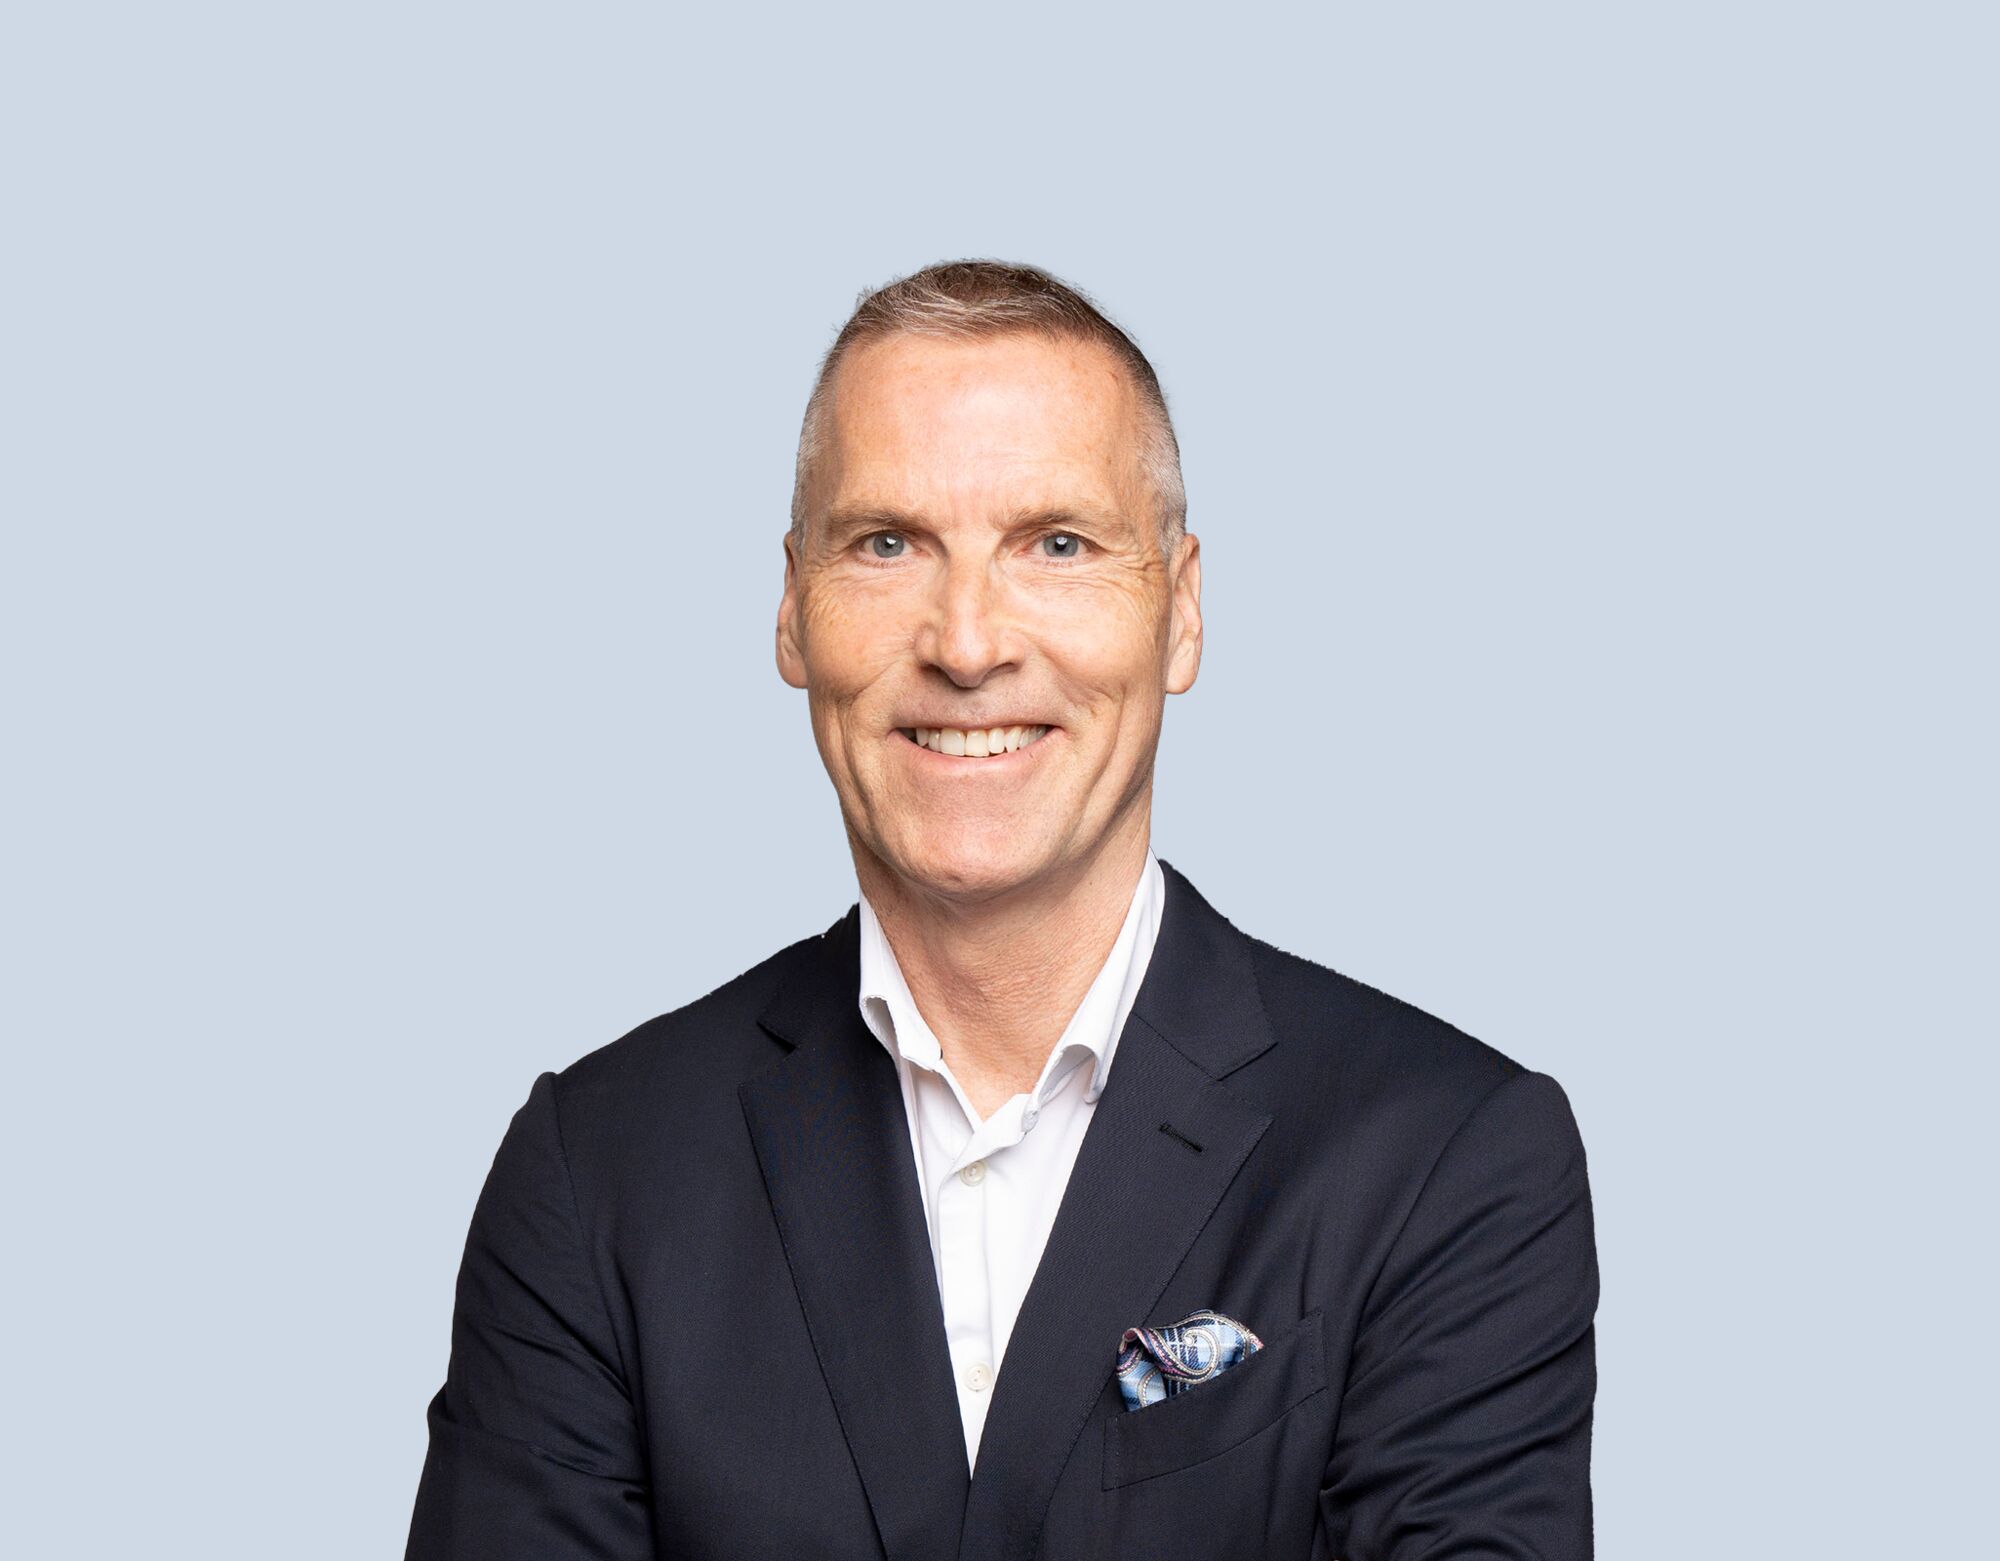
<point>998,980</point>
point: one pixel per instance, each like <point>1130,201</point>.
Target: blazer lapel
<point>832,1138</point>
<point>1165,1140</point>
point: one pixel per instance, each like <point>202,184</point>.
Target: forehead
<point>925,421</point>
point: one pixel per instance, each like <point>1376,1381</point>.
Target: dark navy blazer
<point>697,1316</point>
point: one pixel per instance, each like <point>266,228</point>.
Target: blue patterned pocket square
<point>1154,1362</point>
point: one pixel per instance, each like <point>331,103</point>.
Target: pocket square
<point>1154,1362</point>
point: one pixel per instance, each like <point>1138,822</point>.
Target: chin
<point>969,867</point>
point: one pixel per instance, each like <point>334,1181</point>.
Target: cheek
<point>1110,652</point>
<point>848,644</point>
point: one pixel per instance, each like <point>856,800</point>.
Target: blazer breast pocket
<point>1206,1421</point>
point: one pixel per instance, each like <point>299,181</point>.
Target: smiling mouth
<point>974,742</point>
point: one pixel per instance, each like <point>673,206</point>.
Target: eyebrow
<point>1088,518</point>
<point>843,525</point>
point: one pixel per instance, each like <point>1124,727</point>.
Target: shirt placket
<point>963,1201</point>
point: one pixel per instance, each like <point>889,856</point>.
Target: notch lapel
<point>833,1140</point>
<point>1136,1200</point>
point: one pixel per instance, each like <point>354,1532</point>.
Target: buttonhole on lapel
<point>1172,1132</point>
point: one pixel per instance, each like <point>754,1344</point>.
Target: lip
<point>957,724</point>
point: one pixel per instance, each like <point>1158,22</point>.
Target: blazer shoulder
<point>1378,1053</point>
<point>712,1040</point>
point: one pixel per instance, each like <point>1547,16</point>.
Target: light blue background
<point>1589,417</point>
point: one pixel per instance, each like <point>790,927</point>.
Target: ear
<point>1184,607</point>
<point>791,658</point>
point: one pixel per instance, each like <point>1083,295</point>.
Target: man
<point>1031,1209</point>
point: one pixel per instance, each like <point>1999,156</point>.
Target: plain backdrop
<point>1589,416</point>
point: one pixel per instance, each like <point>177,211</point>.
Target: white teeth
<point>977,742</point>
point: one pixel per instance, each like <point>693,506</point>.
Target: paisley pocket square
<point>1155,1362</point>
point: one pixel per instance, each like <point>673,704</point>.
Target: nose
<point>968,631</point>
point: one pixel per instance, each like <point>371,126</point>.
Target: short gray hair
<point>968,299</point>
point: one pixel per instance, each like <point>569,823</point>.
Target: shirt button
<point>979,1377</point>
<point>973,1174</point>
<point>1028,1121</point>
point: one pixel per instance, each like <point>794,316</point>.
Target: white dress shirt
<point>991,1188</point>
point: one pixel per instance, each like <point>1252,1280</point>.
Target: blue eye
<point>895,548</point>
<point>1069,546</point>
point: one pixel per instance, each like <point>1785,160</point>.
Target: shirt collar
<point>1093,1030</point>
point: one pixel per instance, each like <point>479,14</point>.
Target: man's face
<point>982,551</point>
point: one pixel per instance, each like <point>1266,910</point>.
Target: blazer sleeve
<point>1465,1425</point>
<point>534,1448</point>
